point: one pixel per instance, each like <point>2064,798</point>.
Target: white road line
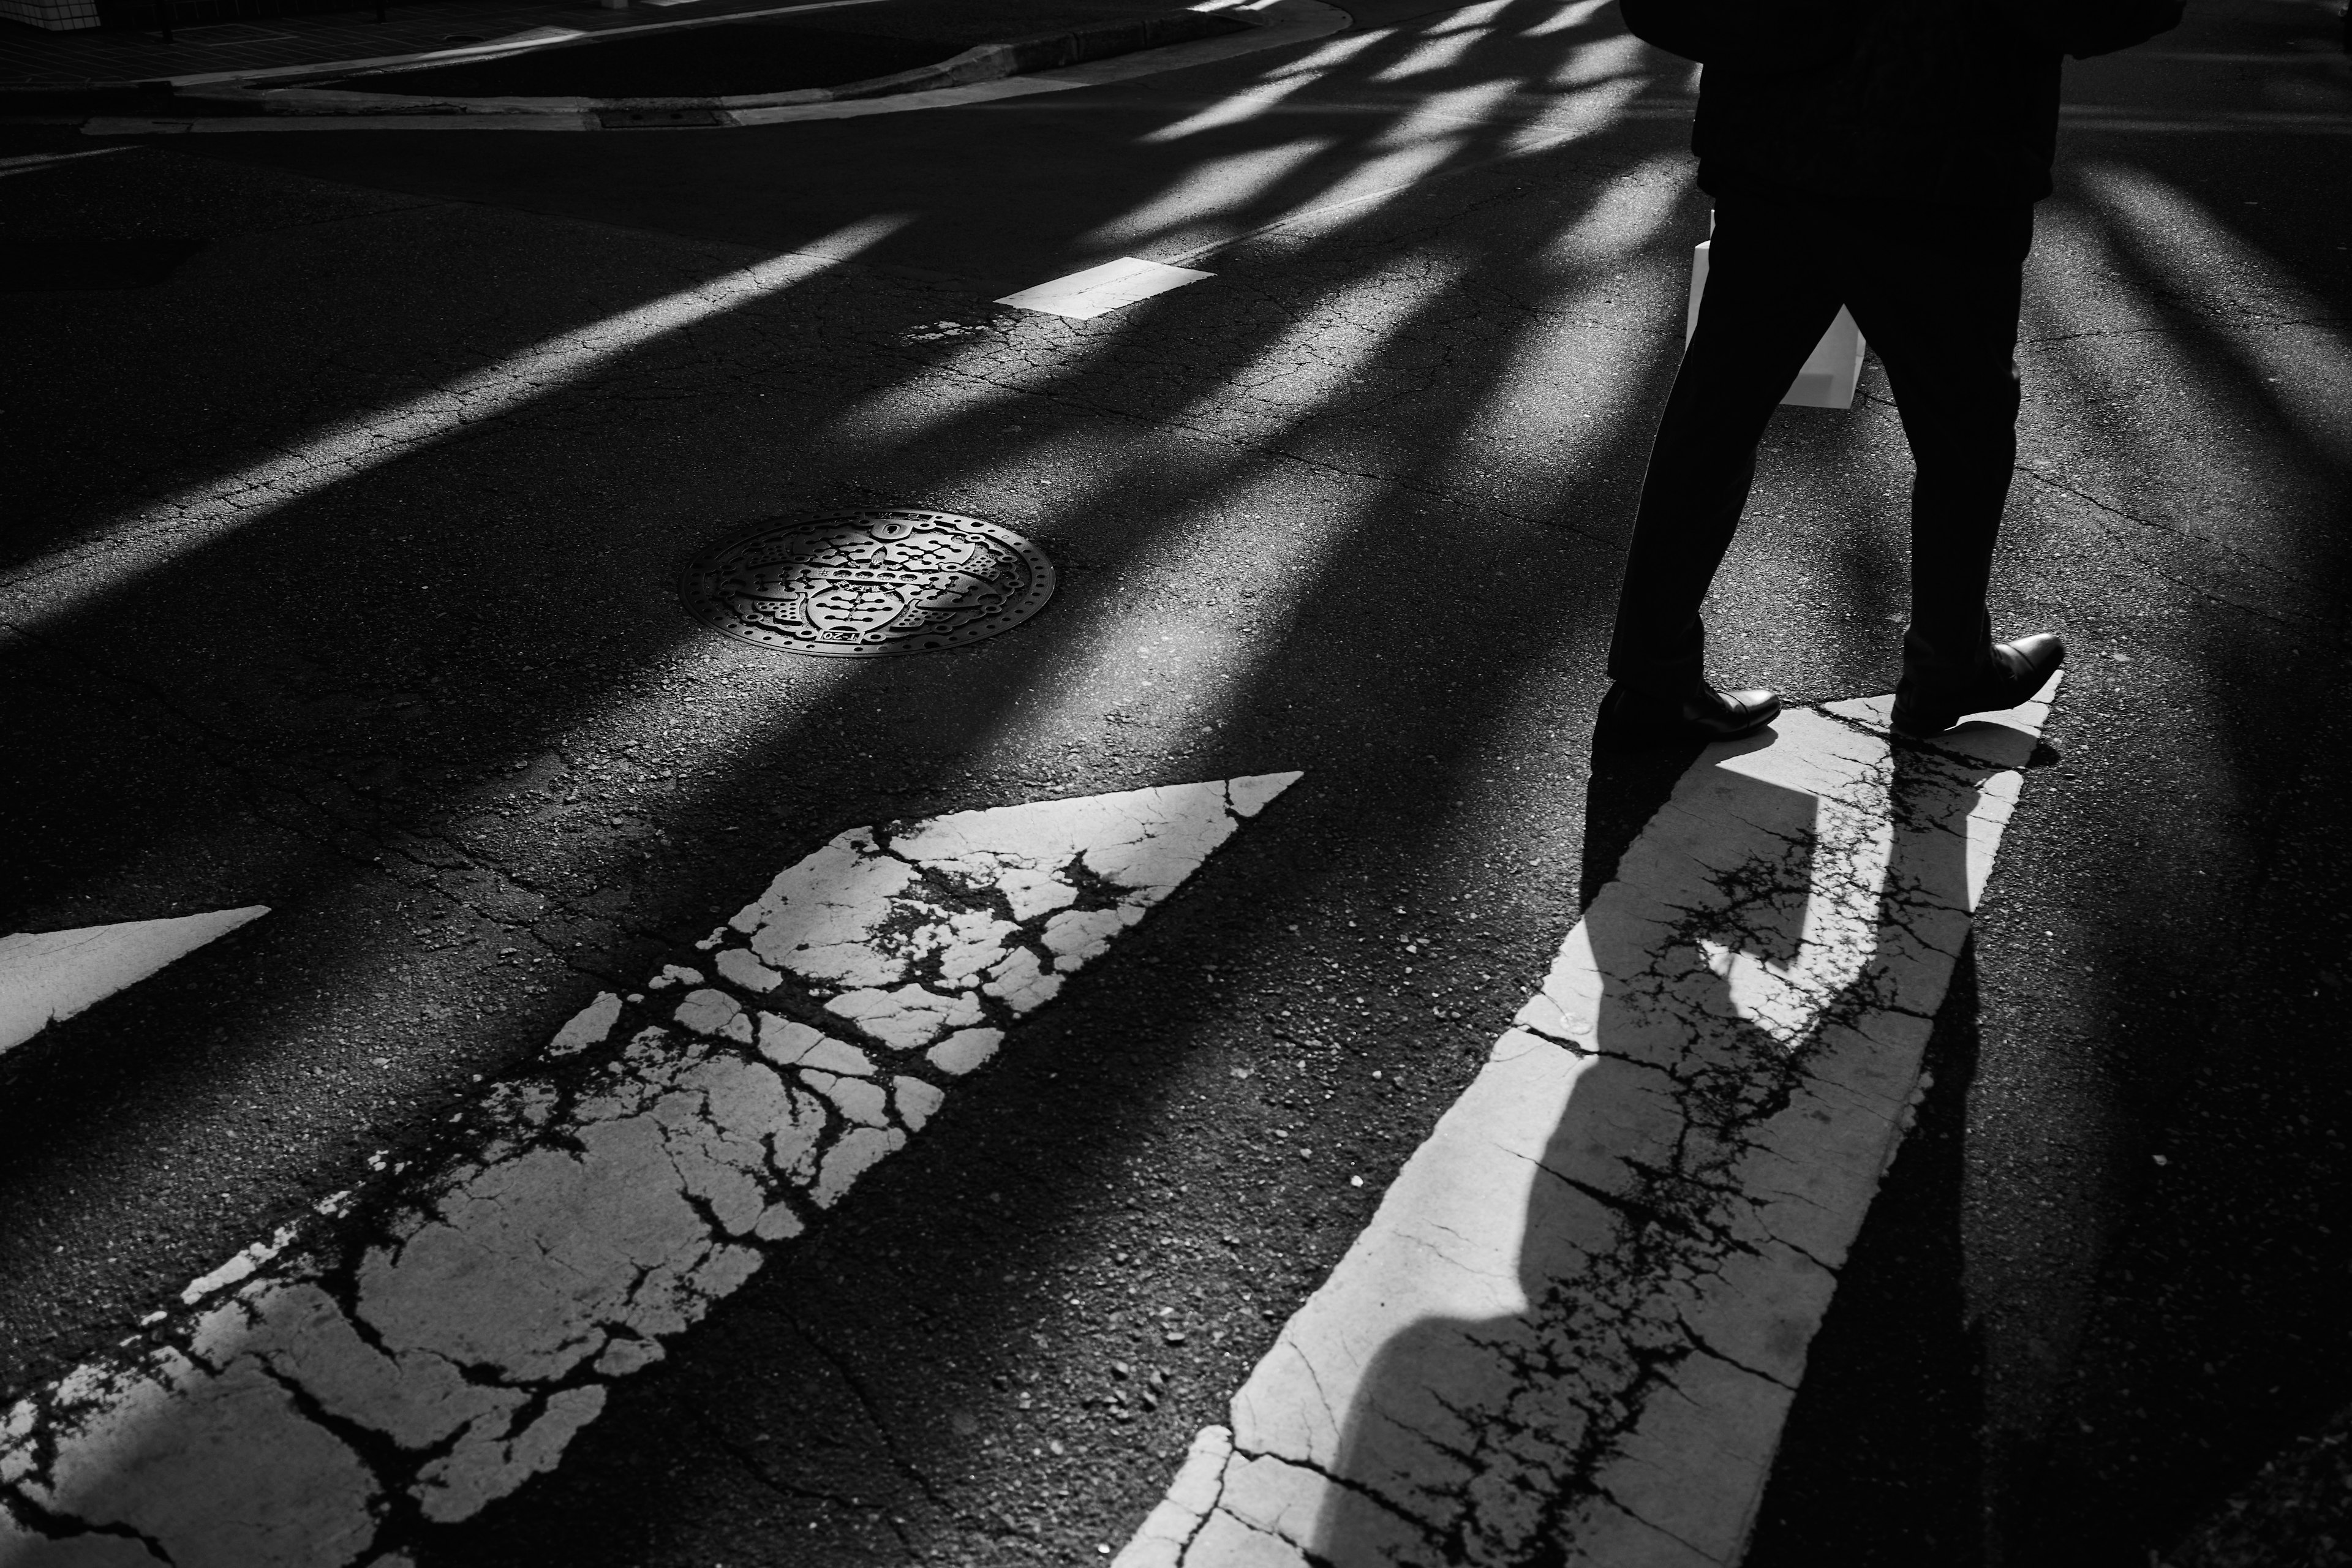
<point>48,976</point>
<point>1575,1325</point>
<point>471,1318</point>
<point>1097,291</point>
<point>2302,358</point>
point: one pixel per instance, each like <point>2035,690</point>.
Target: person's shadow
<point>1726,1053</point>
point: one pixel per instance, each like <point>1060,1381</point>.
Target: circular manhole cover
<point>859,583</point>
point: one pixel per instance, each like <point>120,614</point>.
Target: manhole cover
<point>863,583</point>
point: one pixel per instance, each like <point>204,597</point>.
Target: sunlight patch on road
<point>2177,436</point>
<point>1166,673</point>
<point>1626,213</point>
<point>1364,189</point>
<point>1331,345</point>
<point>1587,113</point>
<point>1338,51</point>
<point>1434,55</point>
<point>1598,61</point>
<point>2277,327</point>
<point>1216,189</point>
<point>1474,18</point>
<point>1247,104</point>
<point>1567,394</point>
<point>1567,18</point>
<point>1278,84</point>
<point>1442,114</point>
<point>67,580</point>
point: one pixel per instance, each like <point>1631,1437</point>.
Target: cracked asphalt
<point>342,541</point>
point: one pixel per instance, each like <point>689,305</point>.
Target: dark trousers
<point>1936,293</point>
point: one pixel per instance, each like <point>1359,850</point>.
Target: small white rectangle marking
<point>1082,296</point>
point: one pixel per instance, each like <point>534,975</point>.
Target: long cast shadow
<point>1525,1437</point>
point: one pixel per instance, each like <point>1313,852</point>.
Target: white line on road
<point>48,976</point>
<point>1097,291</point>
<point>1574,1327</point>
<point>469,1320</point>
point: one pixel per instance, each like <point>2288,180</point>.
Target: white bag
<point>1831,370</point>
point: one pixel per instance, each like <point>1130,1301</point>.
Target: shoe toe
<point>1736,713</point>
<point>2043,652</point>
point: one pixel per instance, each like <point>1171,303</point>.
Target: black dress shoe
<point>1700,715</point>
<point>1929,700</point>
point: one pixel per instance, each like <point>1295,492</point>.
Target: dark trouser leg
<point>1940,309</point>
<point>1771,291</point>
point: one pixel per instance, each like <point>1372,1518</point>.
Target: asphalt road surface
<point>613,1142</point>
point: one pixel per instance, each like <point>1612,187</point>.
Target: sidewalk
<point>32,58</point>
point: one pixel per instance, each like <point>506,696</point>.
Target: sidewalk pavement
<point>33,59</point>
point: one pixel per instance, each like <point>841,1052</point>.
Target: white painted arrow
<point>1574,1327</point>
<point>48,976</point>
<point>1852,843</point>
<point>606,1202</point>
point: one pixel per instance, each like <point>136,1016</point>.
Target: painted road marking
<point>1575,1325</point>
<point>1097,290</point>
<point>48,976</point>
<point>464,1322</point>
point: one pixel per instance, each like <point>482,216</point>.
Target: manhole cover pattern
<point>861,583</point>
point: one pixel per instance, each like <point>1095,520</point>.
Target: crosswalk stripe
<point>48,976</point>
<point>1575,1324</point>
<point>464,1323</point>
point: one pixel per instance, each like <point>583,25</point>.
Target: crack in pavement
<point>424,1346</point>
<point>2186,536</point>
<point>1573,1327</point>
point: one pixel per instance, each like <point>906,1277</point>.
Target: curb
<point>228,94</point>
<point>983,62</point>
<point>528,41</point>
<point>1055,62</point>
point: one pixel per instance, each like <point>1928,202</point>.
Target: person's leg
<point>1940,308</point>
<point>1770,295</point>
